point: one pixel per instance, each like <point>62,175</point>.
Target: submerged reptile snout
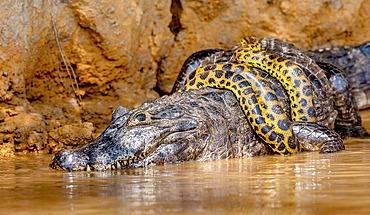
<point>68,160</point>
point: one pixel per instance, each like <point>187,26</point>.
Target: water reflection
<point>304,183</point>
<point>273,182</point>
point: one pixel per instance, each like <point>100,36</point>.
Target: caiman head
<point>181,127</point>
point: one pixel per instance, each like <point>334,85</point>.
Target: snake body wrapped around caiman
<point>333,100</point>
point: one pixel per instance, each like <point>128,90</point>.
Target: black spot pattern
<point>303,102</point>
<point>200,84</point>
<point>192,82</point>
<point>276,109</point>
<point>253,100</point>
<point>297,83</point>
<point>271,117</point>
<point>260,121</point>
<point>270,97</point>
<point>211,80</point>
<point>257,111</point>
<point>204,75</point>
<point>256,57</point>
<point>227,67</point>
<point>311,112</point>
<point>191,75</point>
<point>281,147</point>
<point>218,73</point>
<point>272,57</point>
<point>307,90</point>
<point>248,91</point>
<point>297,72</point>
<point>280,59</point>
<point>283,125</point>
<point>266,129</point>
<point>210,67</point>
<point>272,136</point>
<point>292,143</point>
<point>239,69</point>
<point>281,136</point>
<point>229,74</point>
<point>237,78</point>
<point>244,84</point>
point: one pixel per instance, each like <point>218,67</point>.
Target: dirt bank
<point>128,52</point>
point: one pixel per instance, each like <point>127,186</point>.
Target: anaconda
<point>256,98</point>
<point>330,83</point>
<point>291,76</point>
<point>325,87</point>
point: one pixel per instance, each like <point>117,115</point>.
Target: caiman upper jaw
<point>67,160</point>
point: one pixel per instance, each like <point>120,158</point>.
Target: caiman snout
<point>68,160</point>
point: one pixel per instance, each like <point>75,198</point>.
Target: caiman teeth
<point>118,165</point>
<point>88,169</point>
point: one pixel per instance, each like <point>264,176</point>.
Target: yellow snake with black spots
<point>291,76</point>
<point>256,98</point>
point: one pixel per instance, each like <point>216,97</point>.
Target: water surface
<point>307,183</point>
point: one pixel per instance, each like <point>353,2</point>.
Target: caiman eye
<point>141,117</point>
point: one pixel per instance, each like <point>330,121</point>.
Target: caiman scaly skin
<point>355,62</point>
<point>201,125</point>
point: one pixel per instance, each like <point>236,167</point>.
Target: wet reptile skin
<point>197,125</point>
<point>337,94</point>
<point>323,95</point>
<point>205,124</point>
<point>292,77</point>
<point>256,98</point>
<point>332,94</point>
<point>355,62</point>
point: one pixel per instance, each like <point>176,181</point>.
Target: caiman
<point>209,124</point>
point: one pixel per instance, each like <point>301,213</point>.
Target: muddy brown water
<point>307,183</point>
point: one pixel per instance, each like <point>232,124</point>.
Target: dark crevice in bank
<point>159,91</point>
<point>159,71</point>
<point>176,11</point>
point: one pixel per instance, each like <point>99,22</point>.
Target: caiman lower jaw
<point>124,164</point>
<point>119,164</point>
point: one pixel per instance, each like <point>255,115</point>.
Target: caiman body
<point>209,124</point>
<point>202,125</point>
